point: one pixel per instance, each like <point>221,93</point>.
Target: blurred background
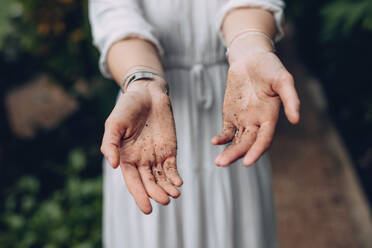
<point>54,103</point>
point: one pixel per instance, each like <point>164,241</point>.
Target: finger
<point>152,189</point>
<point>263,141</point>
<point>238,148</point>
<point>226,135</point>
<point>171,172</point>
<point>110,143</point>
<point>287,92</point>
<point>135,187</point>
<point>161,180</point>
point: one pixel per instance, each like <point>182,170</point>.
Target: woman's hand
<point>140,137</point>
<point>257,82</point>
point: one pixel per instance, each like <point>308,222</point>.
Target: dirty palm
<point>140,136</point>
<point>140,132</point>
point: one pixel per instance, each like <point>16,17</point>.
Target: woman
<point>149,46</point>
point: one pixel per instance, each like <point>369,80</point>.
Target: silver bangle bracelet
<point>138,75</point>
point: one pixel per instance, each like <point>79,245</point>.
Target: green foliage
<point>69,217</point>
<point>345,16</point>
<point>9,10</point>
<point>51,197</point>
<point>53,32</point>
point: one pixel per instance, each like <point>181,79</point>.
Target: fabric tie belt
<point>203,92</point>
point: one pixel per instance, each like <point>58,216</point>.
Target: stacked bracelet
<point>138,75</point>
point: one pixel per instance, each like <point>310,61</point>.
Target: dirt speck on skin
<point>151,179</point>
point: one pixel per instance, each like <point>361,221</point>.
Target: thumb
<point>226,135</point>
<point>284,87</point>
<point>110,143</point>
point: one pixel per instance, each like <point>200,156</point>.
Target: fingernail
<point>219,161</point>
<point>246,162</point>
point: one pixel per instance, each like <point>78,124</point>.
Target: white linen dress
<point>218,207</point>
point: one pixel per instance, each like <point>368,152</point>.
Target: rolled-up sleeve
<point>114,20</point>
<point>274,6</point>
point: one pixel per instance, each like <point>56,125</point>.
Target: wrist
<point>248,45</point>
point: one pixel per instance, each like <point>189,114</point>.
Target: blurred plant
<point>56,199</point>
<point>345,16</point>
<point>9,10</point>
<point>55,33</point>
<point>69,217</point>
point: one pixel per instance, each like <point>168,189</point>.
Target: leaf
<point>14,221</point>
<point>77,160</point>
<point>367,22</point>
<point>28,184</point>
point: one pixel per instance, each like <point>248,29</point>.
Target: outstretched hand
<point>255,87</point>
<point>140,137</point>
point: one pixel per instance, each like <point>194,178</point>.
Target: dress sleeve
<point>114,20</point>
<point>274,6</point>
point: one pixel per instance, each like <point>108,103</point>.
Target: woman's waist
<point>190,62</point>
